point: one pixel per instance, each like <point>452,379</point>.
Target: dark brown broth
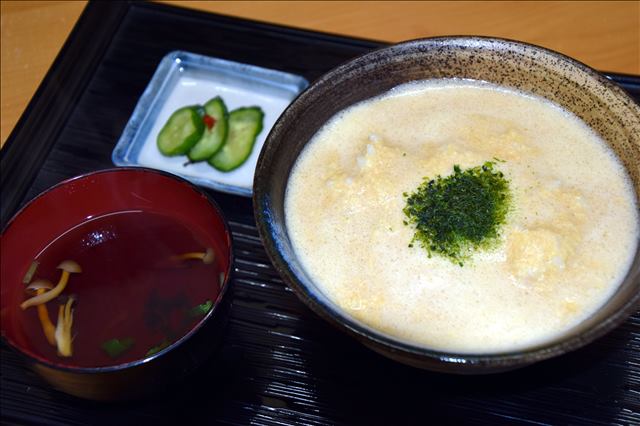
<point>129,286</point>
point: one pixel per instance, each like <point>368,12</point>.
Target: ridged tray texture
<point>280,363</point>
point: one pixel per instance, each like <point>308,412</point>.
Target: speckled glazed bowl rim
<point>187,336</point>
<point>386,343</point>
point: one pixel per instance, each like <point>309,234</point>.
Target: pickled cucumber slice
<point>212,139</point>
<point>181,132</point>
<point>244,126</point>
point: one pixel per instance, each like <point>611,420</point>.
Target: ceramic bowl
<point>531,69</point>
<point>73,202</point>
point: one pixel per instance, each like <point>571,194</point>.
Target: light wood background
<point>604,35</point>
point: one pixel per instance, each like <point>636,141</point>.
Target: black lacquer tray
<point>280,364</point>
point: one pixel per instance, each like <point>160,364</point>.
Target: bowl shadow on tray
<point>342,381</point>
<point>199,396</point>
<point>372,389</point>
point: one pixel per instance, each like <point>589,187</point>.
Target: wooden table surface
<point>604,35</point>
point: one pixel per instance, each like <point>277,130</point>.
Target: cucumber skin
<point>190,141</point>
<point>195,156</point>
<point>226,168</point>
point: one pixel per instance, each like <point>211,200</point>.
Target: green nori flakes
<point>461,213</point>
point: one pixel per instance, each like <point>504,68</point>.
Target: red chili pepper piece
<point>209,121</point>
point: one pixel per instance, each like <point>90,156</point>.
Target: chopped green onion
<point>200,310</point>
<point>30,272</point>
<point>116,347</point>
<point>158,348</point>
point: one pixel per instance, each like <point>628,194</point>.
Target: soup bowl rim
<point>185,337</point>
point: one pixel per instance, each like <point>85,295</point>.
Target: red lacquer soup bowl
<point>115,284</point>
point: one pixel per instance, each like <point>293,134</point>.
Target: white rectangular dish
<point>183,79</point>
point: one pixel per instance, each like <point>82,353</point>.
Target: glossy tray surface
<point>280,364</point>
